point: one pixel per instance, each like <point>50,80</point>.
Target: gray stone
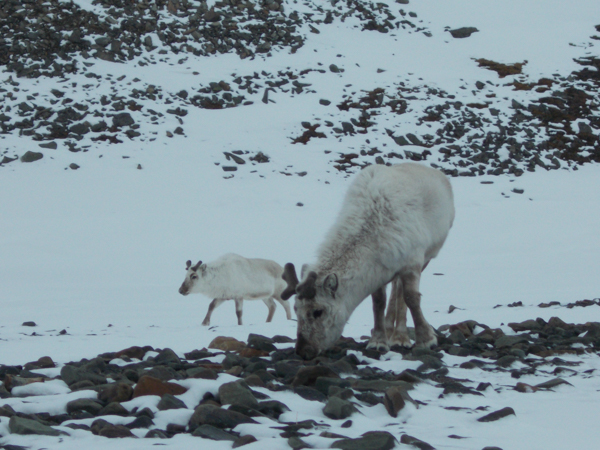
<point>122,120</point>
<point>552,383</point>
<point>20,425</point>
<point>71,374</point>
<point>338,409</point>
<point>256,340</point>
<point>140,422</point>
<point>167,356</point>
<point>509,341</point>
<point>410,440</point>
<point>30,156</point>
<point>234,393</point>
<point>156,433</point>
<point>464,32</point>
<point>393,400</point>
<point>297,444</point>
<point>307,376</point>
<point>497,415</point>
<point>169,401</point>
<point>243,440</point>
<point>372,440</point>
<point>84,404</point>
<point>218,417</point>
<point>214,433</point>
<point>113,409</point>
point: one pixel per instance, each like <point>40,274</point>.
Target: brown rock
<point>119,392</point>
<point>116,431</point>
<point>307,376</point>
<point>148,385</point>
<point>525,388</point>
<point>227,344</point>
<point>132,352</point>
<point>394,400</point>
<point>251,352</point>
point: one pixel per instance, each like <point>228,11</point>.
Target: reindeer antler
<point>290,277</point>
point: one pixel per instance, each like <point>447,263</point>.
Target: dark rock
<point>113,409</point>
<point>272,408</point>
<point>20,425</point>
<point>28,157</point>
<point>552,383</point>
<point>116,431</point>
<point>214,433</point>
<point>311,394</point>
<point>84,404</point>
<point>297,444</point>
<point>218,417</point>
<point>260,342</point>
<point>307,376</point>
<point>116,392</point>
<point>167,356</point>
<point>71,375</point>
<point>235,393</point>
<point>497,415</point>
<point>202,372</point>
<point>243,440</point>
<point>122,120</point>
<point>463,32</point>
<point>393,400</point>
<point>49,145</point>
<point>168,401</point>
<point>338,409</point>
<point>372,440</point>
<point>157,434</point>
<point>140,422</point>
<point>409,440</point>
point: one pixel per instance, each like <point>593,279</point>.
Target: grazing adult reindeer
<point>392,222</point>
<point>233,277</point>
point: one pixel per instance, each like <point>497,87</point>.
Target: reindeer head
<point>320,317</point>
<point>191,277</point>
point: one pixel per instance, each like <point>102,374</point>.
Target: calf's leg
<point>213,305</point>
<point>272,306</point>
<point>239,304</point>
<point>395,319</point>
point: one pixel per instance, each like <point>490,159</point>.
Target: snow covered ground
<point>100,251</point>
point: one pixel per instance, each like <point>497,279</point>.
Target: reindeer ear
<point>289,275</point>
<point>307,289</point>
<point>203,268</point>
<point>331,283</point>
<point>188,264</point>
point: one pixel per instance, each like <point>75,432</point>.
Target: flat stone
<point>30,156</point>
<point>234,393</point>
<point>116,431</point>
<point>497,415</point>
<point>410,440</point>
<point>116,392</point>
<point>339,409</point>
<point>217,417</point>
<point>71,375</point>
<point>153,386</point>
<point>169,401</point>
<point>214,433</point>
<point>393,400</point>
<point>227,344</point>
<point>509,341</point>
<point>84,404</point>
<point>307,376</point>
<point>243,440</point>
<point>20,425</point>
<point>372,440</point>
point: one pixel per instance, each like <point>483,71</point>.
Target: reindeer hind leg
<point>272,306</point>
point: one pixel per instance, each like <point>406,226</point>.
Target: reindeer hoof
<point>381,347</point>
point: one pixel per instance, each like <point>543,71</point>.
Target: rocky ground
<point>344,382</point>
<point>490,133</point>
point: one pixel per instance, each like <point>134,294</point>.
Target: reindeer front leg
<point>395,319</point>
<point>378,340</point>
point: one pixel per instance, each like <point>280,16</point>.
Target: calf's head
<point>320,317</point>
<point>193,274</point>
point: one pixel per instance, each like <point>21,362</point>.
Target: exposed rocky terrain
<point>490,133</point>
<point>344,382</point>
